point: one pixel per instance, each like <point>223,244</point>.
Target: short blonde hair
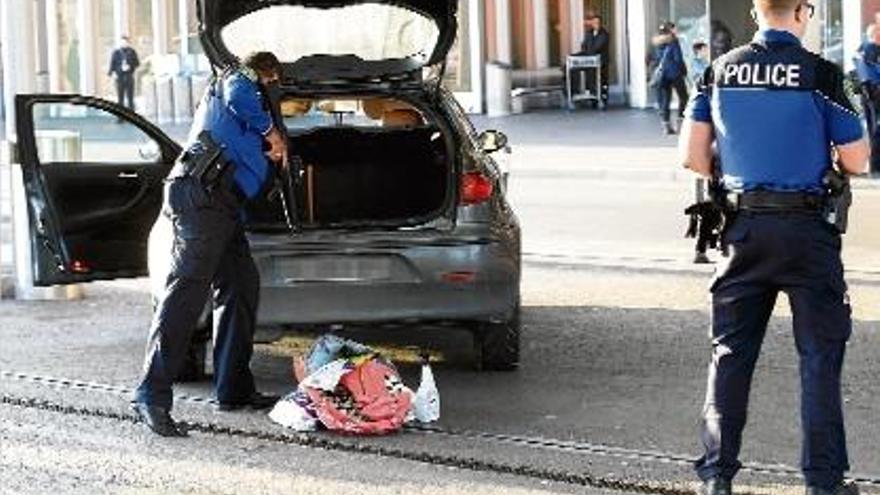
<point>777,7</point>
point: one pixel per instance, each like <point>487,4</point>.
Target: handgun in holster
<point>838,199</point>
<point>208,165</point>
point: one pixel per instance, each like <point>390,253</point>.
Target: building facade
<point>74,39</point>
<point>534,36</point>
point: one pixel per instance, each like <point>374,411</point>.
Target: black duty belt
<point>776,201</point>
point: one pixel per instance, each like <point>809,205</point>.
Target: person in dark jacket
<point>597,41</point>
<point>722,39</point>
<point>670,74</point>
<point>123,62</point>
<point>867,64</point>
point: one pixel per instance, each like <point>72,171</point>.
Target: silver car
<point>395,210</point>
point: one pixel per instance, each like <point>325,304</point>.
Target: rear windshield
<point>369,31</point>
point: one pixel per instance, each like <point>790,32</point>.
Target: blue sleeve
<point>700,107</point>
<point>244,101</point>
<point>843,124</point>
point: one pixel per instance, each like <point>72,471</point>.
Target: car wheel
<point>497,344</point>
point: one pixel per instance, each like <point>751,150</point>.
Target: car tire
<point>497,344</point>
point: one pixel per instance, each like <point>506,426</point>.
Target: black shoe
<point>717,486</point>
<point>255,402</point>
<point>842,489</point>
<point>669,129</point>
<point>702,259</point>
<point>157,419</point>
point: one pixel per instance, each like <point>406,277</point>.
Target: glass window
<point>69,46</point>
<point>106,43</point>
<point>458,63</point>
<point>69,133</point>
<point>832,31</point>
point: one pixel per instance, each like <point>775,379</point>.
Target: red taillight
<point>459,277</point>
<point>79,266</point>
<point>475,188</point>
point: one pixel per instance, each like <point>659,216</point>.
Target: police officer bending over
<point>223,166</point>
<point>778,114</point>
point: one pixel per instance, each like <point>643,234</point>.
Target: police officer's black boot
<point>842,489</point>
<point>717,486</point>
<point>157,419</point>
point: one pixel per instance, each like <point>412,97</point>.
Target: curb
<point>662,265</point>
<point>642,175</point>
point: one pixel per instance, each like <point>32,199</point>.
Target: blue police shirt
<point>233,111</point>
<point>776,110</point>
<point>868,63</point>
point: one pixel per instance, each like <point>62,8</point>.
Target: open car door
<point>93,174</point>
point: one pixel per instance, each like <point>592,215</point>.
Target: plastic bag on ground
<point>426,402</point>
<point>293,412</point>
<point>327,377</point>
<point>347,387</point>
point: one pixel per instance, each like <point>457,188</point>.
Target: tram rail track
<point>347,444</point>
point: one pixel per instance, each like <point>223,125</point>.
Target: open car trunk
<point>354,177</point>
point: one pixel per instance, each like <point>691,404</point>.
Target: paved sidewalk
<point>619,145</point>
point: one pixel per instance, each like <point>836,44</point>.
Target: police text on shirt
<point>775,75</point>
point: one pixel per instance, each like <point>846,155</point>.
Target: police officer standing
<point>778,114</point>
<point>123,62</point>
<point>597,41</point>
<point>223,166</point>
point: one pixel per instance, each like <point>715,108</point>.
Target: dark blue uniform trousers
<point>210,254</point>
<point>799,254</point>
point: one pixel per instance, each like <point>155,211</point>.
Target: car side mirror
<point>149,151</point>
<point>492,141</point>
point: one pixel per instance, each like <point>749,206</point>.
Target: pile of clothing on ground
<point>348,387</point>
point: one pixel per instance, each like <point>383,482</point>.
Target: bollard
<point>199,83</point>
<point>498,89</point>
<point>148,94</point>
<point>164,100</point>
<point>182,99</point>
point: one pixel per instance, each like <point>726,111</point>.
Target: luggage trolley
<point>581,65</point>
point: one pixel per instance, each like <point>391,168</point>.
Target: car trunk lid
<point>322,41</point>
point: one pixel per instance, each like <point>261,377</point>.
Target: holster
<point>838,201</point>
<point>208,164</point>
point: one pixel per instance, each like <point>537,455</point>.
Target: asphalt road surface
<point>607,399</point>
<point>611,383</point>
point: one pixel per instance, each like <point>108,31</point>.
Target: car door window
<point>71,133</point>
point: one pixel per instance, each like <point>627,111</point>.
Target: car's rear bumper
<point>476,281</point>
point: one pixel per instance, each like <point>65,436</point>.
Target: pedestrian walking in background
<point>670,74</point>
<point>123,62</point>
<point>777,113</point>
